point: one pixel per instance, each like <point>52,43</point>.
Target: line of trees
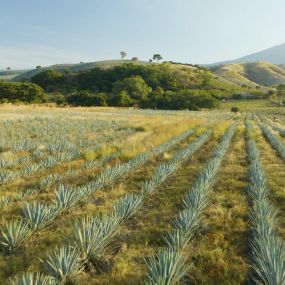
<point>156,86</point>
<point>157,57</point>
<point>146,86</point>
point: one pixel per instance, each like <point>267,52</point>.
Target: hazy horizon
<point>41,33</point>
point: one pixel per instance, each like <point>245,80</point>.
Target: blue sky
<point>45,32</point>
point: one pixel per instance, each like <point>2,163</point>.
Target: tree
<point>235,109</point>
<point>38,67</point>
<point>87,98</point>
<point>8,68</point>
<point>47,78</point>
<point>135,88</point>
<point>123,99</point>
<point>157,57</point>
<point>123,54</point>
<point>135,58</point>
<point>150,60</point>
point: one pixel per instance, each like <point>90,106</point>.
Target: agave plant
<point>63,264</point>
<point>147,187</point>
<point>13,234</point>
<point>177,239</point>
<point>66,197</point>
<point>127,206</point>
<point>162,172</point>
<point>186,221</point>
<point>269,260</point>
<point>166,267</point>
<point>30,169</point>
<point>39,214</point>
<point>4,201</point>
<point>93,234</point>
<point>198,199</point>
<point>6,176</point>
<point>50,180</point>
<point>31,278</point>
<point>112,173</point>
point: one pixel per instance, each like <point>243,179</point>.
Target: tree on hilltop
<point>157,57</point>
<point>123,54</point>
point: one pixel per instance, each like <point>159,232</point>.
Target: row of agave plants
<point>273,140</point>
<point>54,159</point>
<point>56,179</point>
<point>52,140</point>
<point>29,134</point>
<point>37,214</point>
<point>92,234</point>
<point>268,121</point>
<point>267,249</point>
<point>170,264</point>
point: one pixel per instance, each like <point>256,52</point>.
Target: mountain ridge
<point>275,55</point>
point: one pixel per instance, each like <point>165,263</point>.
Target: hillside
<point>10,74</point>
<point>72,68</point>
<point>275,55</point>
<point>252,74</point>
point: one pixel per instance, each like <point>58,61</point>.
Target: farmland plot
<point>113,196</point>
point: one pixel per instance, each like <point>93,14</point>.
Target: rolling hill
<point>275,55</point>
<point>252,74</point>
<point>72,68</point>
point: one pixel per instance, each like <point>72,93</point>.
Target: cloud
<point>28,57</point>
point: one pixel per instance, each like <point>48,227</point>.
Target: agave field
<point>117,196</point>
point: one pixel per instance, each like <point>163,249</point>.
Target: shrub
<point>22,91</point>
<point>235,109</point>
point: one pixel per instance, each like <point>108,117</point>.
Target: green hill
<point>72,68</point>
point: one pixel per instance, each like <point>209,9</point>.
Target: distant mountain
<point>73,68</point>
<point>252,74</point>
<point>275,55</point>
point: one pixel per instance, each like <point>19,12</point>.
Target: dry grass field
<point>116,196</point>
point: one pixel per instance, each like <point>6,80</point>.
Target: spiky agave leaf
<point>13,233</point>
<point>166,267</point>
<point>31,278</point>
<point>63,263</point>
<point>92,235</point>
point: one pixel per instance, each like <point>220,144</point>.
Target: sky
<point>45,32</point>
